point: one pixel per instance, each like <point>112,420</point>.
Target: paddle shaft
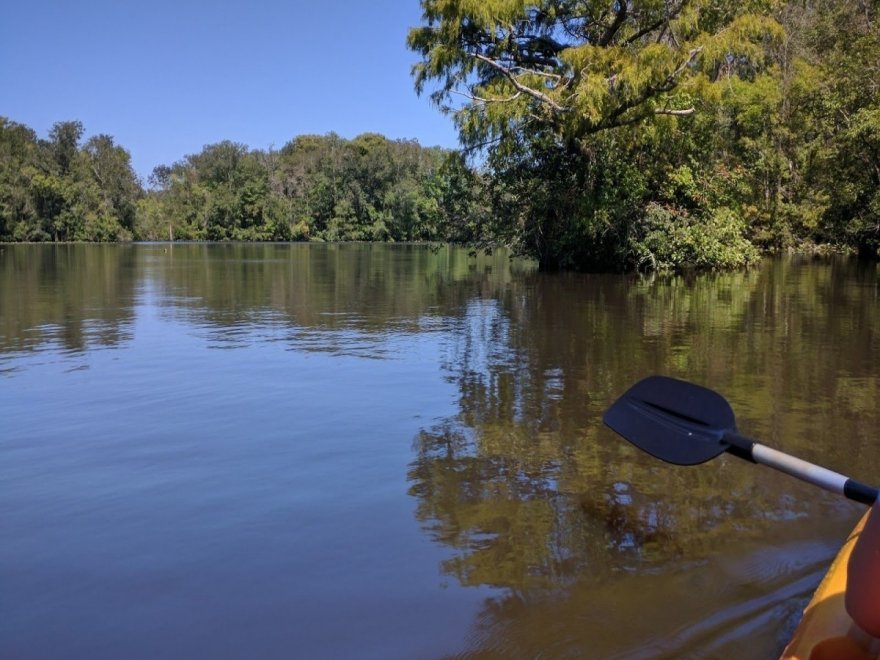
<point>748,449</point>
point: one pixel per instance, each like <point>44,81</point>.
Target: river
<point>371,451</point>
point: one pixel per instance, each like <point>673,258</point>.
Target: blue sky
<point>165,78</point>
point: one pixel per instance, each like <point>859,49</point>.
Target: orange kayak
<point>826,632</point>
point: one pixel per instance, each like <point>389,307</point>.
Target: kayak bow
<point>826,631</point>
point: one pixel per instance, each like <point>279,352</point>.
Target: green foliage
<point>580,66</point>
<point>59,190</point>
<point>673,237</point>
<point>320,188</point>
<point>736,126</point>
<point>315,188</point>
<point>608,136</point>
<point>838,96</point>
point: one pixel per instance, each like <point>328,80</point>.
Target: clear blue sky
<point>165,78</point>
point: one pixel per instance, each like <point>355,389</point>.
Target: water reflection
<point>328,298</point>
<point>588,547</point>
<point>531,494</point>
<point>50,295</point>
<point>356,287</point>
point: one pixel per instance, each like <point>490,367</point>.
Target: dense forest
<point>657,134</point>
<point>314,188</point>
<point>595,136</point>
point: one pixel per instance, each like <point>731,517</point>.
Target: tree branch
<point>480,99</point>
<point>650,91</point>
<point>676,113</point>
<point>663,22</point>
<point>692,55</point>
<point>619,18</point>
<point>645,30</point>
<point>535,94</point>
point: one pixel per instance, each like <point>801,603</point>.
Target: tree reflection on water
<point>581,535</point>
<point>533,495</point>
<point>51,294</point>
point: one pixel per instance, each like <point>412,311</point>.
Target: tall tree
<point>837,45</point>
<point>577,67</point>
<point>110,166</point>
<point>541,84</point>
<point>18,155</point>
<point>64,142</point>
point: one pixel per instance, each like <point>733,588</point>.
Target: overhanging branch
<point>534,93</point>
<point>480,99</point>
<point>675,113</point>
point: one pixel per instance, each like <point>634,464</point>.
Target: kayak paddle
<point>687,424</point>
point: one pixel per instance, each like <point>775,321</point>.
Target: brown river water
<point>370,451</point>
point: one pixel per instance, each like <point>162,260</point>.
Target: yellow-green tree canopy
<point>581,66</point>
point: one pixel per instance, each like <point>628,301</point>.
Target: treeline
<point>647,135</point>
<point>314,188</point>
<point>63,190</point>
<point>638,135</point>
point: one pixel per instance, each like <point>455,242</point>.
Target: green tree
<point>56,190</point>
<point>225,192</point>
<point>369,188</point>
<point>18,156</point>
<point>837,95</point>
<point>542,85</point>
<point>64,144</point>
<point>110,167</point>
<point>463,203</point>
<point>576,67</point>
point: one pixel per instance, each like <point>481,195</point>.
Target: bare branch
<point>676,113</point>
<point>645,30</point>
<point>692,55</point>
<point>480,99</point>
<point>534,93</point>
<point>663,22</point>
<point>662,33</point>
<point>669,83</point>
<point>545,74</point>
<point>619,19</point>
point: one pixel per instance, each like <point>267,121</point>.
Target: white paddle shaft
<point>796,467</point>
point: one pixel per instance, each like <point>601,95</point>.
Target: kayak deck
<point>826,631</point>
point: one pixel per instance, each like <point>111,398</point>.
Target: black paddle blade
<point>673,420</point>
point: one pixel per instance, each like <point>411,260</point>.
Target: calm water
<point>364,451</point>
